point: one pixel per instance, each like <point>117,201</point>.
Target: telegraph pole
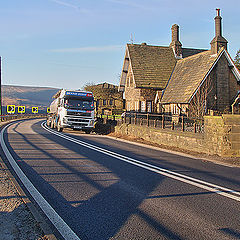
<point>0,88</point>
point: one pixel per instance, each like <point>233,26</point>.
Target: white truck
<point>72,109</point>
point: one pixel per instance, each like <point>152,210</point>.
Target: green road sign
<point>21,109</point>
<point>10,109</point>
<point>34,109</point>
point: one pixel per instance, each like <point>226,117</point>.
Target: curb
<point>175,152</point>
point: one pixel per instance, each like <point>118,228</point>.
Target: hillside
<point>27,96</point>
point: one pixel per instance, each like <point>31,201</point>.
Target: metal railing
<point>163,121</point>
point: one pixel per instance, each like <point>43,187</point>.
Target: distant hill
<point>27,96</point>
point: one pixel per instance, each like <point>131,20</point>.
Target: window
<point>104,102</point>
<point>175,109</point>
<point>143,106</point>
<point>136,106</point>
<point>110,102</point>
<point>149,106</point>
<point>128,106</point>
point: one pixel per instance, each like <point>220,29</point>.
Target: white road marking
<point>226,192</point>
<point>66,232</point>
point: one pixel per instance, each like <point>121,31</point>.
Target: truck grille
<point>84,114</point>
<point>80,124</point>
<point>78,120</point>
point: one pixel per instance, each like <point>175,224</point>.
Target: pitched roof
<point>187,77</point>
<point>187,52</point>
<point>105,85</point>
<point>152,66</point>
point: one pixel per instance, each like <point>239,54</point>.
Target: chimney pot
<point>176,44</point>
<point>218,41</point>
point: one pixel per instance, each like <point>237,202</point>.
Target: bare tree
<point>237,59</point>
<point>87,86</point>
<point>201,100</point>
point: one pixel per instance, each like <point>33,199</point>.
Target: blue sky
<point>68,43</point>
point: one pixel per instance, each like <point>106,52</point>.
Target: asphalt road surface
<point>96,187</point>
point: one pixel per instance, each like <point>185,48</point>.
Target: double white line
<point>226,192</point>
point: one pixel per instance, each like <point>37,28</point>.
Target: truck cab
<point>72,109</point>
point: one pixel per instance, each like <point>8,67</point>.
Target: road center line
<point>66,232</point>
<point>226,192</point>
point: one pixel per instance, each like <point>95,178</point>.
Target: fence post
<point>183,124</point>
<point>148,119</point>
<point>140,121</point>
<point>155,123</point>
<point>172,125</point>
<point>130,118</point>
<point>135,119</point>
<point>163,121</point>
<point>114,118</point>
<point>195,127</point>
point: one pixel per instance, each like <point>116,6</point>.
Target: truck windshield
<point>79,104</point>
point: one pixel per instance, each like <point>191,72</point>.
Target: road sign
<point>48,110</point>
<point>34,109</point>
<point>21,109</point>
<point>11,109</point>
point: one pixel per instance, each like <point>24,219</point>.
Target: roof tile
<point>151,64</point>
<point>187,76</point>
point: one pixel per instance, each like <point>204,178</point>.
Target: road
<point>96,187</point>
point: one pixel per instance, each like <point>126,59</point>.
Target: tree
<point>200,102</point>
<point>87,86</point>
<point>237,59</point>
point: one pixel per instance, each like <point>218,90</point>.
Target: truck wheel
<point>59,128</point>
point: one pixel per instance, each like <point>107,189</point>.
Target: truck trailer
<point>72,109</point>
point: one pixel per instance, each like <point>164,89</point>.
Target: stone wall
<point>221,136</point>
<point>234,87</point>
<point>222,73</point>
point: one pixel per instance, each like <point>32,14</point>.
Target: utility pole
<point>0,88</point>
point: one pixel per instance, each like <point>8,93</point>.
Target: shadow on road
<point>96,203</point>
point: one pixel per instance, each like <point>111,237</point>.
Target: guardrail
<point>4,118</point>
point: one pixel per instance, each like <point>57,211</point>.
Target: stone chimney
<point>218,41</point>
<point>176,44</point>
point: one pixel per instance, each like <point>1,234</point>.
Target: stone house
<point>180,80</point>
<point>108,100</point>
<point>146,69</point>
